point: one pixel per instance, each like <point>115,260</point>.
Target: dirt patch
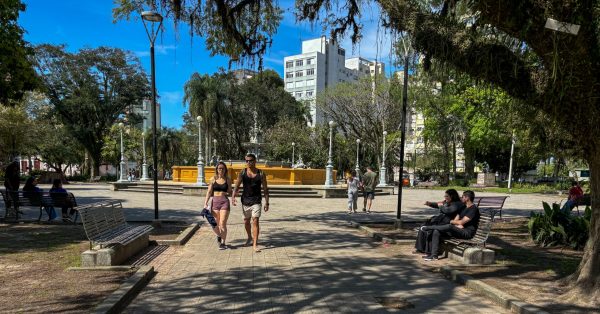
<point>531,273</point>
<point>33,275</point>
<point>167,232</point>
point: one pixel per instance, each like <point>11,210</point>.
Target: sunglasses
<point>249,160</point>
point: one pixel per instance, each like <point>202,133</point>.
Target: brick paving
<point>311,261</point>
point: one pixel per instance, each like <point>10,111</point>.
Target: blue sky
<point>79,24</point>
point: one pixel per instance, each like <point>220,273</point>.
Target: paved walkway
<point>306,266</point>
<point>311,260</point>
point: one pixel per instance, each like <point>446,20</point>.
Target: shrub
<point>555,226</point>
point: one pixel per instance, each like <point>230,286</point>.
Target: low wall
<point>275,175</point>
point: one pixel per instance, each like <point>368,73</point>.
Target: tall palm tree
<point>169,147</point>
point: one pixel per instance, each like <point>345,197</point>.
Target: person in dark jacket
<point>11,183</point>
<point>35,195</point>
<point>449,208</point>
<point>60,196</point>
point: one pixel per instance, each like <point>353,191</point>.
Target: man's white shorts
<point>252,211</point>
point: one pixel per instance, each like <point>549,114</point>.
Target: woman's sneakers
<point>430,258</point>
<point>222,246</point>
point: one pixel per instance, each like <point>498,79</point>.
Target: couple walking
<point>220,188</point>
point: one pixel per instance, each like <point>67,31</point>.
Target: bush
<point>558,227</point>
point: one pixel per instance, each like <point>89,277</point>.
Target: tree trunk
<point>586,280</point>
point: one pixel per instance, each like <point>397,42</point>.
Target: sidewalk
<point>306,266</point>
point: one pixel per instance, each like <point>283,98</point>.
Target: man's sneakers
<point>430,258</point>
<point>218,239</point>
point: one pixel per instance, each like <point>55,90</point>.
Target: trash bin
<point>405,182</point>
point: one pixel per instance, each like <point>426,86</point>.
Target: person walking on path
<point>353,185</point>
<point>220,188</point>
<point>253,179</point>
<point>463,226</point>
<point>369,181</point>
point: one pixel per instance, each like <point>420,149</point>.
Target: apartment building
<point>323,64</point>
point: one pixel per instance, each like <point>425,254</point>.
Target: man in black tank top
<point>253,179</point>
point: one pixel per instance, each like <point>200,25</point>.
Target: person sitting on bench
<point>463,226</point>
<point>34,194</point>
<point>449,208</point>
<point>60,195</point>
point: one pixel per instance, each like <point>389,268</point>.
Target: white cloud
<point>159,50</point>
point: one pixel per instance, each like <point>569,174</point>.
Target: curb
<point>183,237</point>
<point>119,299</point>
<point>378,236</point>
<point>497,296</point>
<point>102,268</point>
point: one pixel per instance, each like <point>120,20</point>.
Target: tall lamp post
<point>403,132</point>
<point>329,167</point>
<point>357,169</point>
<point>382,170</point>
<point>200,179</point>
<point>293,153</point>
<point>122,177</point>
<point>145,164</point>
<point>215,148</point>
<point>153,17</point>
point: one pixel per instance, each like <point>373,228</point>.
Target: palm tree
<point>169,147</point>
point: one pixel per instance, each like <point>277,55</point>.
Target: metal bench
<point>13,200</point>
<point>490,203</point>
<point>105,224</point>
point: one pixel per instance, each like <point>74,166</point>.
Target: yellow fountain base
<point>275,175</point>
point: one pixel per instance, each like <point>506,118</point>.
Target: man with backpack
<point>253,179</point>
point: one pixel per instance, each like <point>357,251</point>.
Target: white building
<point>322,64</point>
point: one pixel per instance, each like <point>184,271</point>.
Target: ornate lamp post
<point>145,164</point>
<point>200,180</point>
<point>215,147</point>
<point>382,170</point>
<point>293,153</point>
<point>122,177</point>
<point>153,17</point>
<point>329,167</point>
<point>357,149</point>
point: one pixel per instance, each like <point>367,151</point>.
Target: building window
<point>309,93</point>
<point>310,61</point>
<point>299,74</point>
<point>289,74</point>
<point>310,72</point>
<point>289,85</point>
<point>299,84</point>
<point>289,64</point>
<point>299,63</point>
<point>310,82</point>
<point>299,95</point>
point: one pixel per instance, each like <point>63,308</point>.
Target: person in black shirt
<point>449,208</point>
<point>463,226</point>
<point>253,179</point>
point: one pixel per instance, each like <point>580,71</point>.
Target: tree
<point>16,73</point>
<point>500,42</point>
<point>90,90</point>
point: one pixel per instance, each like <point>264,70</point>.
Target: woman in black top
<point>449,208</point>
<point>219,188</point>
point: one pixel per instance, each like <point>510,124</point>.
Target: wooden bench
<point>490,203</point>
<point>105,224</point>
<point>458,246</point>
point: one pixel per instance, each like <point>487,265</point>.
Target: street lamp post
<point>403,133</point>
<point>122,177</point>
<point>153,17</point>
<point>293,153</point>
<point>329,167</point>
<point>200,179</point>
<point>382,170</point>
<point>145,164</point>
<point>357,149</point>
<point>215,147</point>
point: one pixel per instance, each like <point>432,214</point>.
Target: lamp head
<point>357,141</point>
<point>384,133</point>
<point>199,119</point>
<point>215,141</point>
<point>331,123</point>
<point>151,16</point>
<point>293,144</point>
<point>121,125</point>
